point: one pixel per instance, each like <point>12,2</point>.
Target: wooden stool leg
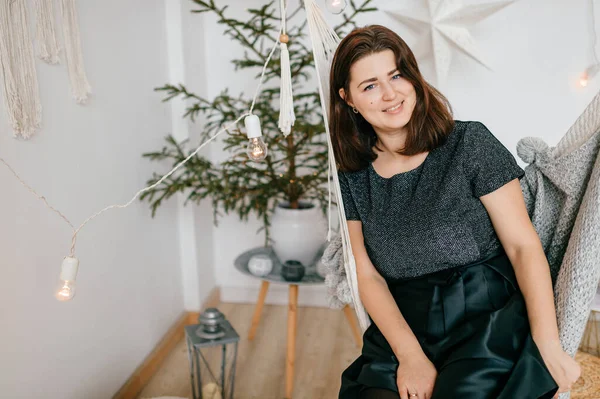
<point>353,326</point>
<point>264,287</point>
<point>291,341</point>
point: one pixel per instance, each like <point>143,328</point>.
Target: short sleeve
<point>349,205</point>
<point>488,164</point>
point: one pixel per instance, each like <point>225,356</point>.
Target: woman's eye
<point>369,87</point>
<point>397,76</point>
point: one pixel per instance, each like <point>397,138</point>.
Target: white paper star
<point>442,22</point>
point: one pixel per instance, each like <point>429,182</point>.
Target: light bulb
<point>257,149</point>
<point>68,274</point>
<point>67,291</point>
<point>335,6</point>
<point>588,74</point>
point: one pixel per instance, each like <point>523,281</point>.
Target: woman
<point>449,266</point>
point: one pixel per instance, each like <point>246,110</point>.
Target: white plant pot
<point>298,234</point>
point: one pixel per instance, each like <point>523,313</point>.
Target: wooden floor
<point>324,348</point>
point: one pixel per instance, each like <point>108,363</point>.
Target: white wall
<point>131,287</point>
<point>186,65</point>
<point>83,159</point>
<point>197,79</point>
<point>537,49</point>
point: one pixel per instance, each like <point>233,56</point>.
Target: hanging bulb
<point>68,273</point>
<point>257,149</point>
<point>583,80</point>
<point>335,6</point>
<point>588,74</point>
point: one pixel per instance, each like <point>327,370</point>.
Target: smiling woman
<point>379,101</point>
<point>448,264</point>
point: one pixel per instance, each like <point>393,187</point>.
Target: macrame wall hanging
<point>47,47</point>
<point>80,88</point>
<point>20,87</point>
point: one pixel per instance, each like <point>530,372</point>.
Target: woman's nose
<point>388,92</point>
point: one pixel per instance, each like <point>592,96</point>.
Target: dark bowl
<point>292,270</point>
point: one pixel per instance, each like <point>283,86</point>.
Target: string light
<point>335,6</point>
<point>257,149</point>
<point>68,274</point>
<point>70,263</point>
<point>593,69</point>
<point>588,74</point>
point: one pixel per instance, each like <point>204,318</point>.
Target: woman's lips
<point>395,109</point>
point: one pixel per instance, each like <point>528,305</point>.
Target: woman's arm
<point>415,373</point>
<point>377,299</point>
<point>521,242</point>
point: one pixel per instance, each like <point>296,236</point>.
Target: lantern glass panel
<point>212,362</point>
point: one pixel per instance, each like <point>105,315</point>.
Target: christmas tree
<point>295,171</point>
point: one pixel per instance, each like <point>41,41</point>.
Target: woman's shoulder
<point>469,133</point>
<point>354,174</point>
<point>462,128</point>
<point>355,179</point>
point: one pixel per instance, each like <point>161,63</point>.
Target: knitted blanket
<point>563,201</point>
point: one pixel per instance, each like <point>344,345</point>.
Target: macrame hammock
<point>561,188</point>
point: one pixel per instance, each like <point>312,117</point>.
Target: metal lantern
<point>212,344</point>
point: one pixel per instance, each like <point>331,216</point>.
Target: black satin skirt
<point>472,324</point>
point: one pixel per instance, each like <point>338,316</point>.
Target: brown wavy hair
<point>353,138</point>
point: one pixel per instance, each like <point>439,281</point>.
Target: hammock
<point>561,188</point>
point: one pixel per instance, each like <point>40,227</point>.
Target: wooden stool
<point>311,278</point>
<point>291,329</point>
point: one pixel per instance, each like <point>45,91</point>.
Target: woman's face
<point>380,93</point>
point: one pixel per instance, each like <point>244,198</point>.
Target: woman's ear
<point>342,93</point>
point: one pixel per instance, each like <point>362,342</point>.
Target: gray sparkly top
<point>431,218</point>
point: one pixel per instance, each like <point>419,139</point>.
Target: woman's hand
<point>416,374</point>
<point>563,368</point>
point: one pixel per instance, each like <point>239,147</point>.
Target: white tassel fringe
<point>286,99</point>
<point>80,87</point>
<point>47,48</point>
<point>17,64</point>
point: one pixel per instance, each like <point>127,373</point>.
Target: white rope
<point>325,41</point>
<point>80,87</point>
<point>47,47</point>
<point>17,62</point>
<point>283,9</point>
<point>286,98</point>
<point>224,129</point>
